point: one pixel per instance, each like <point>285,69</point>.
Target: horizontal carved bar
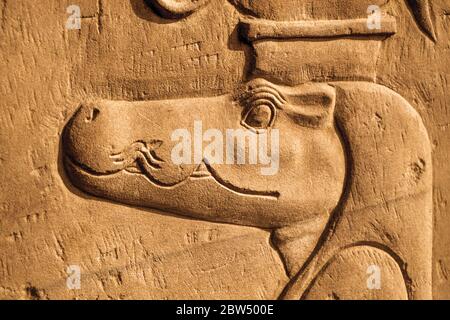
<point>266,29</point>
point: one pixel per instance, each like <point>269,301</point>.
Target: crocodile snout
<point>124,151</point>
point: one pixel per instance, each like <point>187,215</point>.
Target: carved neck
<point>295,243</point>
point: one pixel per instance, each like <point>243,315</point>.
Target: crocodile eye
<point>259,117</point>
<point>261,100</point>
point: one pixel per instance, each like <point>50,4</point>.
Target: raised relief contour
<point>353,181</point>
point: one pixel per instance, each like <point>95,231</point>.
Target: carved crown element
<point>298,10</point>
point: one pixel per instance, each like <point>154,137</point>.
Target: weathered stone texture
<point>395,86</point>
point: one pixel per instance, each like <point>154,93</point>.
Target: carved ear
<point>174,9</point>
<point>311,104</point>
<point>422,13</point>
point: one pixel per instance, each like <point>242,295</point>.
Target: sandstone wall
<point>124,51</point>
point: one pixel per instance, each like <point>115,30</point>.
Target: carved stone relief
<point>347,182</point>
<point>121,151</point>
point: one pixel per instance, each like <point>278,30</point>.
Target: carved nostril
<point>92,114</point>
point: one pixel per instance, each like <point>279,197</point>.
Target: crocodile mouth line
<point>204,171</point>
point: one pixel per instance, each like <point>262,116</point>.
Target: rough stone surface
<point>86,117</point>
